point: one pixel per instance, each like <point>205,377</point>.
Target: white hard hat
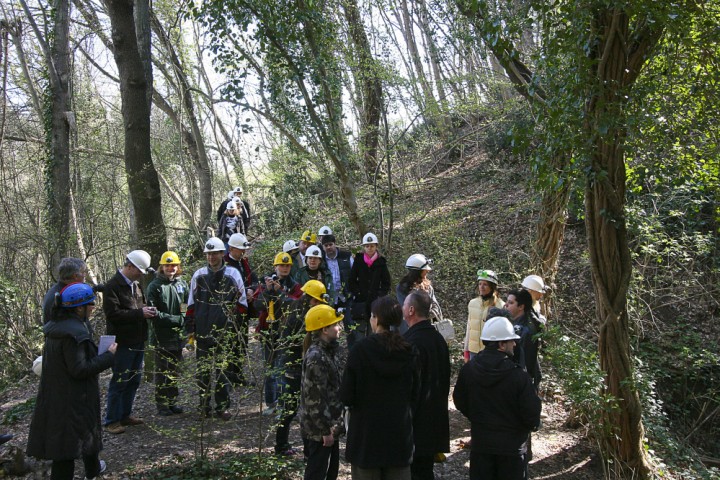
<point>369,238</point>
<point>231,205</point>
<point>37,366</point>
<point>231,194</point>
<point>140,258</point>
<point>325,230</point>
<point>313,251</point>
<point>534,282</point>
<point>237,190</point>
<point>487,275</point>
<point>498,329</point>
<point>417,261</point>
<point>238,240</point>
<point>290,245</point>
<point>214,244</point>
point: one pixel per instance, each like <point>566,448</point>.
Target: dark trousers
<point>288,402</point>
<point>422,467</point>
<point>238,353</point>
<point>127,373</point>
<point>209,371</point>
<point>65,469</point>
<point>484,466</point>
<point>270,386</point>
<point>321,463</point>
<point>166,365</point>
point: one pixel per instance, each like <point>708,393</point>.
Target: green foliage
<point>19,411</point>
<point>576,366</point>
<point>229,466</point>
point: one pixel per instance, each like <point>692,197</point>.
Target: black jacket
<point>49,301</point>
<point>499,399</point>
<point>66,422</point>
<point>217,298</point>
<point>124,312</point>
<point>381,387</point>
<point>431,425</point>
<point>526,350</point>
<point>368,283</point>
<point>243,216</point>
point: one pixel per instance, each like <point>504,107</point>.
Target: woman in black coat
<point>381,385</point>
<point>369,279</point>
<point>66,422</point>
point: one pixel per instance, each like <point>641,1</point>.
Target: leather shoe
<point>224,416</point>
<point>131,421</point>
<point>176,410</point>
<point>5,437</point>
<point>115,428</point>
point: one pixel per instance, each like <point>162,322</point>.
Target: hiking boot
<point>5,437</point>
<point>115,428</point>
<point>176,410</point>
<point>131,421</point>
<point>165,411</point>
<point>103,467</point>
<point>287,452</point>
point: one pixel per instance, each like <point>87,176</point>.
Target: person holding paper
<point>66,422</point>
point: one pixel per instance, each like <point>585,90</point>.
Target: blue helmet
<point>76,295</point>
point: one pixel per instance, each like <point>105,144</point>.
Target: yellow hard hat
<point>316,290</point>
<point>321,316</point>
<point>282,258</point>
<point>308,237</point>
<point>169,258</point>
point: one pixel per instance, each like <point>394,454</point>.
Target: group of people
<point>386,387</point>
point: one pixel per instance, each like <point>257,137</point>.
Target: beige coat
<point>477,314</point>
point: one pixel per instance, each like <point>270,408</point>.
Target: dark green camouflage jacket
<point>321,411</point>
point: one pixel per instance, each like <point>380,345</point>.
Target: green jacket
<point>168,296</point>
<point>327,280</point>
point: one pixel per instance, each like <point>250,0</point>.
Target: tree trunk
<point>58,164</point>
<point>142,177</point>
<point>608,241</point>
<point>368,72</point>
<point>194,138</point>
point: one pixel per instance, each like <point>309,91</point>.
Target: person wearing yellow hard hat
<point>290,360</point>
<point>274,298</point>
<point>168,292</point>
<point>307,239</point>
<point>321,410</point>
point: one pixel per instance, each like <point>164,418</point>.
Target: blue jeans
<point>127,373</point>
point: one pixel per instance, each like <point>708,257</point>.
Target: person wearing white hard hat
<point>292,247</point>
<point>316,269</point>
<point>230,223</point>
<point>217,300</point>
<point>369,279</point>
<point>243,208</point>
<point>478,308</point>
<point>127,315</point>
<point>418,267</point>
<point>499,399</point>
<point>537,288</point>
<point>324,230</point>
<point>236,256</point>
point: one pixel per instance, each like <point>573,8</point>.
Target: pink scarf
<point>370,260</point>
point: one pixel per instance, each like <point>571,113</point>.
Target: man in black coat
<point>499,399</point>
<point>431,424</point>
<point>126,316</point>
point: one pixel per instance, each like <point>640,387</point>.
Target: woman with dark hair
<point>478,309</point>
<point>519,303</point>
<point>381,385</point>
<point>66,422</point>
<point>369,279</point>
<point>417,279</point>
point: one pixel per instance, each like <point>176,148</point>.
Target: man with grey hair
<point>70,270</point>
<point>431,422</point>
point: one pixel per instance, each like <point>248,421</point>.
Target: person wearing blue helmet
<point>66,423</point>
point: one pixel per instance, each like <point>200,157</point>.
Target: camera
<point>274,277</point>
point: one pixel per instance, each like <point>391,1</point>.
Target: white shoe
<point>103,467</point>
